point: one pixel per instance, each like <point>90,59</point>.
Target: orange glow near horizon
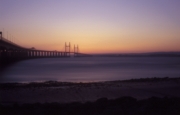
<point>124,26</point>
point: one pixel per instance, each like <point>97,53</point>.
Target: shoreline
<point>147,96</point>
<point>66,92</point>
<point>50,83</point>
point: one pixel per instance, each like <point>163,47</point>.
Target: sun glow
<point>96,26</point>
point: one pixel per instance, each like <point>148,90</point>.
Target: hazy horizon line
<point>155,52</point>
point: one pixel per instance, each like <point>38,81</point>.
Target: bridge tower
<point>1,34</point>
<point>76,50</point>
<point>67,48</point>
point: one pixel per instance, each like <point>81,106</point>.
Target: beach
<point>64,92</point>
<point>150,96</point>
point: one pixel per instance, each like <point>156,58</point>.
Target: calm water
<point>90,69</point>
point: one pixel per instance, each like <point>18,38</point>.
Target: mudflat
<point>64,92</point>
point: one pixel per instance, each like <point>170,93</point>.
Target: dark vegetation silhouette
<point>103,106</point>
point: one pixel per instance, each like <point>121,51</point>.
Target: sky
<point>97,26</point>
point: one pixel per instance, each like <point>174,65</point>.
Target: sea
<point>90,69</point>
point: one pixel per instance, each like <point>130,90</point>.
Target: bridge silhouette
<point>11,52</point>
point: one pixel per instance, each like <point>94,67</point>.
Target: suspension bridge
<point>11,52</point>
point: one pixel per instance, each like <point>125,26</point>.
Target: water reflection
<point>89,69</point>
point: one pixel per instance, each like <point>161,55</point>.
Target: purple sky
<point>98,26</point>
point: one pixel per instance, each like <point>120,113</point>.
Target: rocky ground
<point>139,95</point>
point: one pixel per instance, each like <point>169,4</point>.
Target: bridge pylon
<point>67,49</point>
<point>1,34</point>
<point>76,50</point>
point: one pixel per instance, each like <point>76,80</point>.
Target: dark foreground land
<point>153,96</point>
<point>103,106</point>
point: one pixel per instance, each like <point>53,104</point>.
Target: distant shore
<point>148,54</point>
<point>59,83</point>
